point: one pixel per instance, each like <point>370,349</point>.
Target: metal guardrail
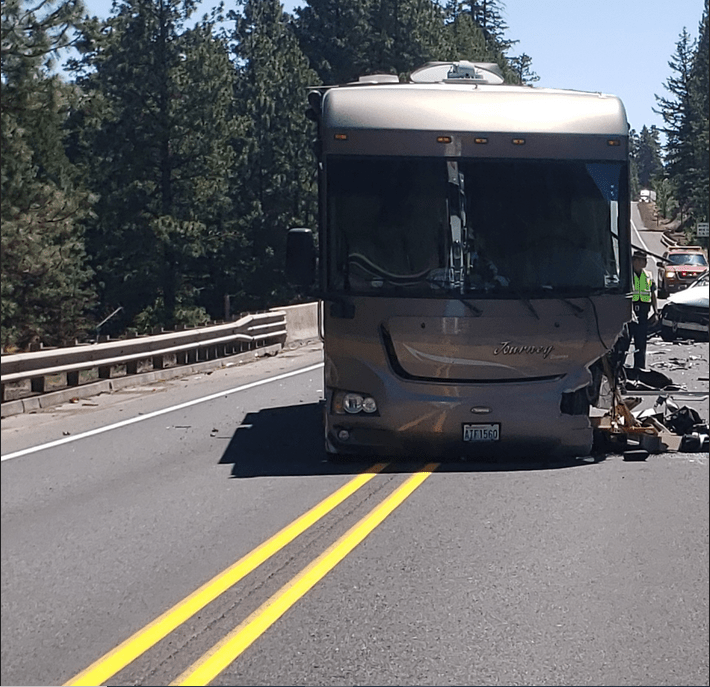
<point>671,238</point>
<point>27,374</point>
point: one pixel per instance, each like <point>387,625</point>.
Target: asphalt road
<point>498,573</point>
<point>193,532</point>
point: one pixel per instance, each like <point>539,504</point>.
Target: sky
<point>620,47</point>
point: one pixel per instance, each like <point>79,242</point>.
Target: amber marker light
<point>443,139</point>
<point>518,141</point>
<point>613,142</point>
<point>480,141</point>
<point>340,137</point>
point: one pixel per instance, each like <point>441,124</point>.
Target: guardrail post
<point>187,357</point>
<point>37,384</point>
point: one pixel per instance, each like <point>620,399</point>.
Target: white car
<point>686,312</point>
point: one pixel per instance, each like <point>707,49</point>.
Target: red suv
<point>680,267</point>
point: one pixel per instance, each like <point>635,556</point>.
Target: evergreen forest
<point>149,180</point>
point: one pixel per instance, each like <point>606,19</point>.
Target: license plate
<point>481,432</point>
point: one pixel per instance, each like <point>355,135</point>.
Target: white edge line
<point>148,416</point>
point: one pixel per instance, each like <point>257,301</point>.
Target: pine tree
<point>521,65</point>
<point>45,289</point>
<point>273,183</point>
<point>331,34</point>
<point>154,134</point>
<point>677,115</point>
<point>465,38</point>
<point>404,35</point>
<point>468,40</point>
<point>634,185</point>
<point>487,15</point>
<point>202,141</point>
<point>647,156</point>
<point>348,39</point>
<point>699,92</point>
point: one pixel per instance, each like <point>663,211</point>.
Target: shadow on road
<point>288,441</point>
<point>283,441</point>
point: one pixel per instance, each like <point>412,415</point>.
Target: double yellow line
<point>230,647</point>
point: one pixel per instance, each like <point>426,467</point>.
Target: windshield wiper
<point>476,311</point>
<point>577,309</point>
<point>525,301</point>
<point>529,306</point>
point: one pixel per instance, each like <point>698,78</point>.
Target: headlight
<point>670,275</point>
<point>353,403</point>
<point>369,405</point>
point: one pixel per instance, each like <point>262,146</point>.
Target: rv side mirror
<point>300,257</point>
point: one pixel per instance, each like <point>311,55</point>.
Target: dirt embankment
<point>652,220</point>
<point>671,227</point>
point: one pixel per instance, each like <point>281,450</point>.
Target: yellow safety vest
<point>642,287</point>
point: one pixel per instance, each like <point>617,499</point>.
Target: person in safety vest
<point>643,297</point>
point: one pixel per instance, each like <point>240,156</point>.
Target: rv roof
<point>466,106</point>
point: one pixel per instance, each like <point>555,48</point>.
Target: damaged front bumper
<point>677,319</point>
<point>449,422</point>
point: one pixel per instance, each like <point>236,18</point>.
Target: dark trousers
<point>639,333</point>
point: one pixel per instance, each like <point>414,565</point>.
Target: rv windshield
<point>478,227</point>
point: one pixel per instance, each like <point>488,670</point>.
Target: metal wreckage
<point>667,426</point>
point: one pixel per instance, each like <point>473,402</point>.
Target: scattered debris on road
<point>665,427</point>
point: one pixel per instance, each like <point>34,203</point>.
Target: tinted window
<point>428,226</point>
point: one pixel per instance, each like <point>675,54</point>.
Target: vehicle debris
<point>639,379</point>
<point>638,454</point>
<point>663,428</point>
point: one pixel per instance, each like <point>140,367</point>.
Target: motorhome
<point>473,261</point>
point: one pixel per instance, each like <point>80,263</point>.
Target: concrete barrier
<point>302,323</point>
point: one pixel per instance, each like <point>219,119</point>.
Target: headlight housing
<point>353,403</point>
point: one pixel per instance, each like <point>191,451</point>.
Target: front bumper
<point>418,422</point>
<point>685,318</point>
